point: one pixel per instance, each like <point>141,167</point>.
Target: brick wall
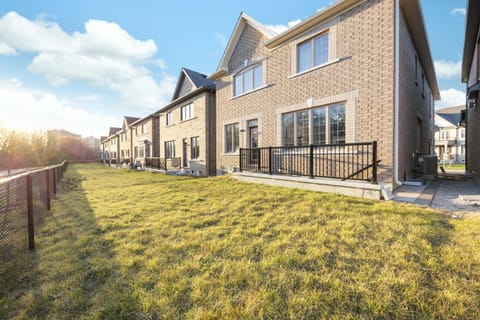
<point>361,74</point>
<point>198,126</point>
<point>415,104</point>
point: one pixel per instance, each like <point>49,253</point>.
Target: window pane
<point>228,138</point>
<point>239,84</point>
<point>321,49</point>
<point>195,148</point>
<point>258,76</point>
<point>236,137</point>
<point>337,124</point>
<point>302,128</point>
<point>247,80</point>
<point>304,56</point>
<point>319,125</point>
<point>287,129</point>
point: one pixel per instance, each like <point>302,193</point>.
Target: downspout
<point>396,95</point>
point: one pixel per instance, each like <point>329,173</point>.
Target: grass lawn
<point>135,245</point>
<point>453,166</point>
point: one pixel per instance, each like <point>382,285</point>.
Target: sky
<point>83,65</point>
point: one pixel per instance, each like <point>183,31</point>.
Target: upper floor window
<point>249,79</point>
<point>144,128</point>
<point>169,119</point>
<point>187,112</point>
<point>312,53</point>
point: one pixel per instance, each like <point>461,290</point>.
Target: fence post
<point>240,155</point>
<point>270,170</point>
<point>374,156</point>
<point>310,162</point>
<point>31,238</point>
<point>49,196</point>
<point>54,180</point>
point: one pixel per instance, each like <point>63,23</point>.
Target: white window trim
<point>249,65</point>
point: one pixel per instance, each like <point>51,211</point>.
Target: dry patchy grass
<point>136,245</point>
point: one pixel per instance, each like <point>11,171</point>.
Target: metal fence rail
<point>351,161</point>
<point>23,200</point>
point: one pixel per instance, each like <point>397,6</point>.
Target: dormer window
<point>312,53</point>
<point>249,79</point>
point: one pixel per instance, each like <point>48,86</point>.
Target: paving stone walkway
<point>445,193</point>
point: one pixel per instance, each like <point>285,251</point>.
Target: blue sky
<point>82,65</point>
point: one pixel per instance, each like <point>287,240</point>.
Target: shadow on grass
<point>76,273</point>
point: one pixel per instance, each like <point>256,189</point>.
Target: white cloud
<point>221,39</point>
<point>459,11</point>
<point>104,55</point>
<point>28,109</point>
<point>448,69</point>
<point>7,50</point>
<point>451,98</point>
<point>279,28</point>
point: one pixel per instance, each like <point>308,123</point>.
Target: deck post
<point>270,170</point>
<point>310,162</point>
<point>374,160</point>
<point>240,155</point>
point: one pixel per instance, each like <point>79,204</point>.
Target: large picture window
<point>322,125</point>
<point>249,79</point>
<point>232,138</point>
<point>194,148</point>
<point>169,149</point>
<point>312,53</point>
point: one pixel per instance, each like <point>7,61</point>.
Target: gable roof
<point>197,79</point>
<point>237,31</point>
<point>471,33</point>
<point>449,117</point>
<point>113,130</point>
<point>130,120</point>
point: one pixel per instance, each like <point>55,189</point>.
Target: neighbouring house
<point>125,140</point>
<point>111,146</point>
<point>93,143</point>
<point>471,76</point>
<point>145,137</point>
<point>450,135</point>
<point>357,71</point>
<point>187,125</point>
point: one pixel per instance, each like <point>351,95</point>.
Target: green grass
<point>134,245</point>
<point>453,166</point>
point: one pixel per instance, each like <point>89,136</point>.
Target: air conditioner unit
<point>426,164</point>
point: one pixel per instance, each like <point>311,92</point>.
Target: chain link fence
<point>24,198</point>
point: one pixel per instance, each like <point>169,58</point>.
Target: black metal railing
<point>23,200</point>
<point>155,163</point>
<point>350,161</point>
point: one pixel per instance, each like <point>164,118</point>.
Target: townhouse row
<point>355,72</point>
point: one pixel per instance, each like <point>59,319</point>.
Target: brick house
<point>187,125</point>
<point>144,137</point>
<point>111,146</point>
<point>450,135</point>
<point>471,76</point>
<point>125,141</point>
<point>357,71</point>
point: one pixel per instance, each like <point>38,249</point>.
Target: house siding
<point>362,38</point>
<point>414,103</point>
<point>473,121</point>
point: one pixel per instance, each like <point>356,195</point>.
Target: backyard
<point>120,244</point>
